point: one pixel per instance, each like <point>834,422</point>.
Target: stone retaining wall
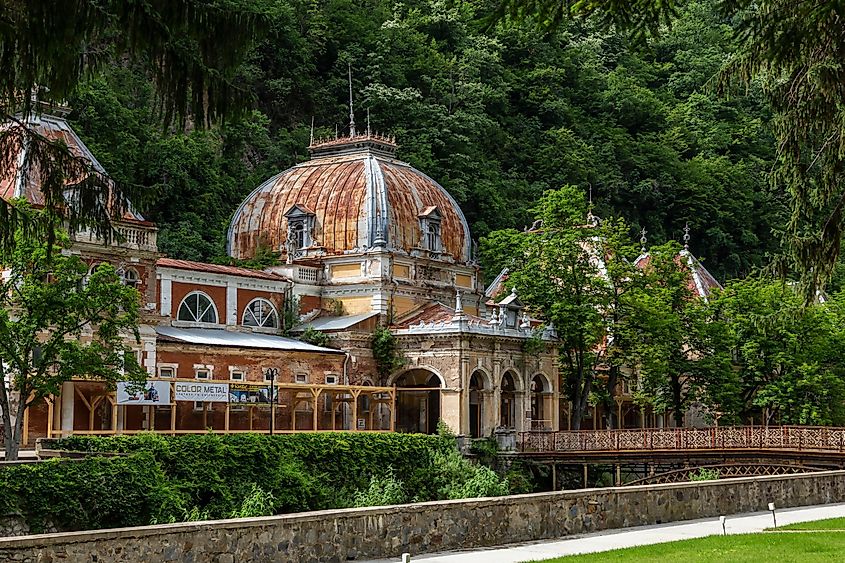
<point>386,532</point>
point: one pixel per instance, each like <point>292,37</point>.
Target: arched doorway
<point>540,390</point>
<point>508,401</point>
<point>476,404</point>
<point>417,401</point>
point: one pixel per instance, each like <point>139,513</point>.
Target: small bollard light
<point>774,518</point>
<point>722,522</point>
<point>406,558</point>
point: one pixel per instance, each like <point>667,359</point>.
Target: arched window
<point>507,406</point>
<point>197,307</point>
<point>261,313</point>
<point>129,276</point>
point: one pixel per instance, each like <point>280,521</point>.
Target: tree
<point>47,47</point>
<point>796,49</point>
<point>572,270</point>
<point>787,353</point>
<point>678,348</point>
<point>57,322</point>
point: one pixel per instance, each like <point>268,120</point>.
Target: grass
<point>829,524</point>
<point>748,548</point>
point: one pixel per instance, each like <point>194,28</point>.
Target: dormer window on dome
<point>300,230</point>
<point>430,227</point>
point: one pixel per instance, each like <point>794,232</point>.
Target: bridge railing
<point>819,438</point>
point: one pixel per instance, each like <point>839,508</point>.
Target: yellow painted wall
<point>346,270</point>
<point>402,305</point>
<point>401,271</point>
<point>356,305</point>
<point>463,280</point>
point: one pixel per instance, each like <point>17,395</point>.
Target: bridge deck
<point>811,445</point>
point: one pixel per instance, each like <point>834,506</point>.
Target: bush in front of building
<point>91,493</point>
<point>303,471</point>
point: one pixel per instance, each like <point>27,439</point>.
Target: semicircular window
<point>197,307</point>
<point>261,313</point>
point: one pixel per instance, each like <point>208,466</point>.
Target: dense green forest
<point>498,115</point>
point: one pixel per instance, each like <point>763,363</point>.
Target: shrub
<point>704,474</point>
<point>219,476</point>
<point>90,493</point>
<point>382,491</point>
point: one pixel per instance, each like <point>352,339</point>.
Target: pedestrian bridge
<point>820,439</point>
<point>653,455</point>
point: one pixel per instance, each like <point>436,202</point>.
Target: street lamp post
<point>271,374</point>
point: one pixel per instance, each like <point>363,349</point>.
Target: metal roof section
<point>53,128</point>
<point>438,318</point>
<point>221,337</point>
<point>335,323</point>
<point>218,269</point>
<point>498,284</point>
<point>355,189</point>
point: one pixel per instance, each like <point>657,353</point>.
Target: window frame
<point>194,321</point>
<point>274,313</point>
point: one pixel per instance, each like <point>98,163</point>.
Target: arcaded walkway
<point>630,537</point>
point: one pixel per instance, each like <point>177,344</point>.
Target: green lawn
<point>750,548</point>
<point>829,524</point>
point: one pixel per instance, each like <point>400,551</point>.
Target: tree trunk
<point>677,403</point>
<point>581,402</point>
<point>6,411</point>
<point>13,445</point>
<point>612,380</point>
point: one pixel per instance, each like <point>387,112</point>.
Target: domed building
<point>372,232</point>
<point>368,240</point>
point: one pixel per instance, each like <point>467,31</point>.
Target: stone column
<point>450,408</point>
<point>166,297</point>
<point>67,400</point>
<point>521,399</point>
<point>231,303</point>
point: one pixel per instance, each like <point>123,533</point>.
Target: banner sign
<point>249,395</point>
<point>202,391</point>
<point>149,393</point>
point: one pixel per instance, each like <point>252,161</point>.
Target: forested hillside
<point>497,115</point>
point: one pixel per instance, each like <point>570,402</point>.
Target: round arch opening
<point>417,401</point>
<point>476,404</point>
<point>507,406</point>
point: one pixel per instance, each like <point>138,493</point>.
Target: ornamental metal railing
<point>810,438</point>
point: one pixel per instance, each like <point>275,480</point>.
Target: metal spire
<point>312,131</point>
<point>351,111</point>
<point>643,240</point>
<point>686,236</point>
<point>368,122</point>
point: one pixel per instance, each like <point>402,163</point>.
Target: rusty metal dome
<point>359,197</point>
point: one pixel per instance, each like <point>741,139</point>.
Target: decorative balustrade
<point>718,438</point>
<point>130,236</point>
<point>306,275</point>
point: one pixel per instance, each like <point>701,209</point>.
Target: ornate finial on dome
<point>686,236</point>
<point>459,306</point>
<point>311,142</point>
<point>351,111</point>
<point>643,240</point>
<point>368,123</point>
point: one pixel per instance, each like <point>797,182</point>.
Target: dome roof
<point>359,196</point>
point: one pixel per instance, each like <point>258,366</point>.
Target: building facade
<point>365,241</point>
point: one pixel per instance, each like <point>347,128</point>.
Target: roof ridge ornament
<point>643,240</point>
<point>686,236</point>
